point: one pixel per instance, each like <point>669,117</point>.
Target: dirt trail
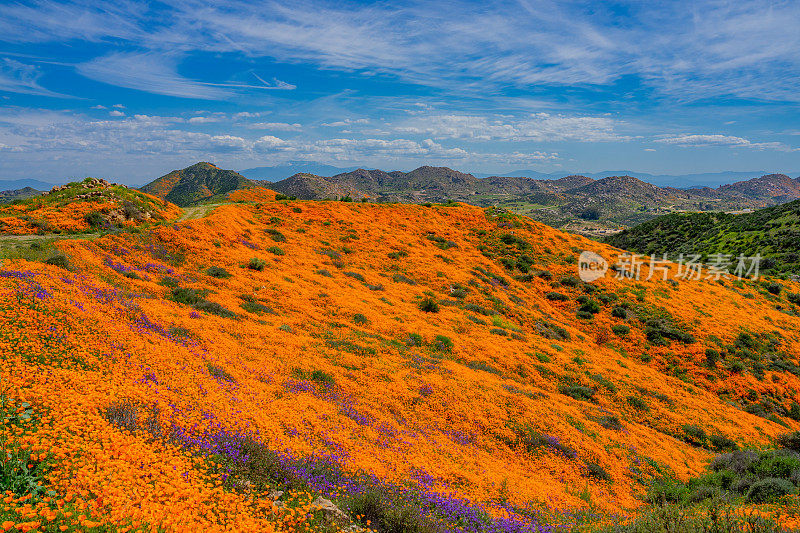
<point>197,211</point>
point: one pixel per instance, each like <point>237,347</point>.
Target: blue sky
<point>130,90</point>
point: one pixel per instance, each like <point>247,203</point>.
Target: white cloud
<point>345,122</point>
<point>116,113</point>
<point>277,126</point>
<point>21,78</point>
<point>541,127</point>
<point>695,140</point>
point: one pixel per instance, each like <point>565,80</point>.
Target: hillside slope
<point>201,181</point>
<point>773,232</point>
<point>80,206</point>
<point>441,356</point>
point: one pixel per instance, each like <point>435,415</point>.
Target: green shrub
<point>275,235</point>
<point>590,306</point>
<point>355,275</point>
<point>317,376</point>
<point>694,434</point>
<point>769,490</point>
<point>414,339</point>
<point>577,392</point>
<point>596,471</point>
<point>773,288</point>
<point>275,250</point>
<point>188,296</point>
<point>358,318</point>
<point>712,356</point>
<point>638,403</point>
<point>256,264</point>
<point>483,366</point>
<point>60,261</point>
<point>256,308</point>
<point>220,373</point>
<point>620,330</point>
<point>214,308</point>
<point>94,219</point>
<point>790,441</point>
<point>557,297</point>
<point>772,465</point>
<point>218,272</point>
<point>442,343</point>
<point>610,422</point>
<point>428,305</point>
<point>400,278</point>
<point>721,443</point>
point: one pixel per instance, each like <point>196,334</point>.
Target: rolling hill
<point>199,182</point>
<point>335,366</point>
<point>772,232</point>
<point>92,204</point>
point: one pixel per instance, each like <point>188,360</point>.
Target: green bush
<point>60,261</point>
<point>596,471</point>
<point>557,297</point>
<point>188,296</point>
<point>275,250</point>
<point>790,441</point>
<point>220,373</point>
<point>769,490</point>
<point>721,443</point>
<point>577,392</point>
<point>443,343</point>
<point>358,318</point>
<point>772,465</point>
<point>620,330</point>
<point>317,376</point>
<point>275,235</point>
<point>256,264</point>
<point>610,422</point>
<point>590,306</point>
<point>694,434</point>
<point>773,288</point>
<point>428,305</point>
<point>218,272</point>
<point>638,403</point>
<point>214,308</point>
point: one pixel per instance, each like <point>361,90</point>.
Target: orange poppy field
<point>443,359</point>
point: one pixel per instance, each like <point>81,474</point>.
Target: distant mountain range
<point>621,200</point>
<point>9,185</point>
<point>285,170</point>
<point>681,181</point>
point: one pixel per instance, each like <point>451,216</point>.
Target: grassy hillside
<point>82,206</point>
<point>426,369</point>
<point>773,232</point>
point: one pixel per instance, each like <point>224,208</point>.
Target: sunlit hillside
<point>91,204</point>
<point>440,367</point>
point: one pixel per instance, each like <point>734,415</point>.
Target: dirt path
<point>198,211</point>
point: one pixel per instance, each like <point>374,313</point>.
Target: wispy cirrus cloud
<point>157,73</point>
<point>22,78</point>
<point>744,49</point>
